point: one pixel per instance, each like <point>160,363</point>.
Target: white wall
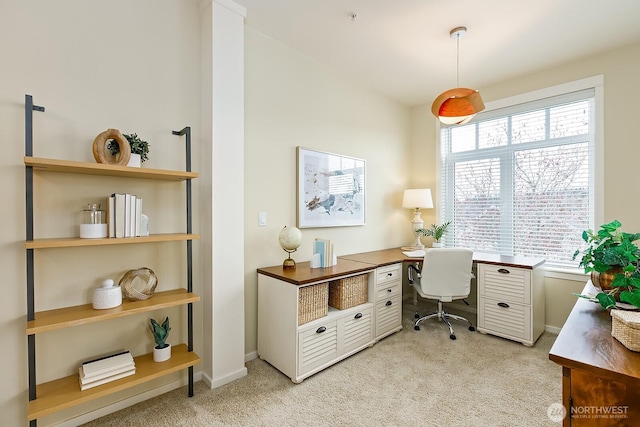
<point>621,148</point>
<point>128,65</point>
<point>292,101</point>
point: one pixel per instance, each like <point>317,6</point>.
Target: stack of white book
<point>124,213</point>
<point>106,369</point>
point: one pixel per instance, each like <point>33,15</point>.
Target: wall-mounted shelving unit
<point>63,393</point>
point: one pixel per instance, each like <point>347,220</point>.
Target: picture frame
<point>330,189</point>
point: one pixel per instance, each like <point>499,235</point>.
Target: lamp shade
<point>417,198</point>
<point>457,106</point>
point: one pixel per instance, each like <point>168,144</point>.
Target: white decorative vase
<point>162,354</point>
<point>134,160</point>
<point>436,245</point>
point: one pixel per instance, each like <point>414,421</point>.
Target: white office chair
<point>445,276</point>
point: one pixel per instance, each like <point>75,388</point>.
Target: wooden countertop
<point>585,342</point>
<point>367,261</point>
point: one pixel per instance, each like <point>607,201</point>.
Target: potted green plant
<point>435,231</point>
<point>613,259</point>
<point>139,149</point>
<point>160,331</point>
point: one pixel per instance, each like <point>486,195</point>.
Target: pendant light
<point>459,105</point>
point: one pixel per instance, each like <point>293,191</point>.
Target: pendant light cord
<point>458,60</point>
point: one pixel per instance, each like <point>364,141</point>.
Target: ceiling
<point>402,48</point>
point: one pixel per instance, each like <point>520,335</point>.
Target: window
<point>519,180</point>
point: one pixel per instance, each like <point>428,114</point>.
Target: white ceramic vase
<point>134,160</point>
<point>162,354</point>
<point>436,245</point>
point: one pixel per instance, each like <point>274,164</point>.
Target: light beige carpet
<point>411,378</point>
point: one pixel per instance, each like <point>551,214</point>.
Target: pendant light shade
<point>458,105</point>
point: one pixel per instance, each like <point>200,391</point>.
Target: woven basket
<point>625,327</point>
<point>139,284</point>
<point>312,302</point>
<point>348,292</point>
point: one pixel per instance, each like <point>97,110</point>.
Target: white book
<point>111,216</point>
<point>107,363</point>
<point>107,380</point>
<point>127,215</point>
<point>119,207</point>
<point>84,378</point>
<point>132,216</point>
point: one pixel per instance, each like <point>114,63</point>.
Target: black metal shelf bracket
<point>186,131</point>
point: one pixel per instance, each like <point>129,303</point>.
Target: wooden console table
<point>600,376</point>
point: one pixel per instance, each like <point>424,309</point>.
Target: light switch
<point>262,219</point>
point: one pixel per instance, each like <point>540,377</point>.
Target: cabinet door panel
<point>388,315</point>
<point>356,330</point>
<point>507,283</point>
<point>513,320</point>
<point>316,348</point>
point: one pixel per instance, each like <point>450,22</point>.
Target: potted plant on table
<point>139,149</point>
<point>435,231</point>
<point>160,331</point>
<point>613,259</point>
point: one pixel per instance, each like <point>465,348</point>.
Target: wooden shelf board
<point>66,166</point>
<point>65,392</point>
<point>60,318</point>
<point>70,242</point>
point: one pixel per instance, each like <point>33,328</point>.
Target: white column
<point>222,168</point>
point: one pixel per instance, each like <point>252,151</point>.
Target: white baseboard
<point>552,329</point>
<point>125,403</point>
<point>215,383</point>
<point>250,356</point>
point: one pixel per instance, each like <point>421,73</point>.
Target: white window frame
<point>597,84</point>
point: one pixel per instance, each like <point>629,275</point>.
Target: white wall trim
<point>232,376</point>
<point>552,329</point>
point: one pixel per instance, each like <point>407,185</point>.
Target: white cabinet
<point>388,300</point>
<point>300,351</point>
<point>511,301</point>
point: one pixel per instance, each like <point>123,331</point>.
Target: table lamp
<point>416,199</point>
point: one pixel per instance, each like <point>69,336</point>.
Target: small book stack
<point>106,369</point>
<point>124,213</point>
<point>323,255</point>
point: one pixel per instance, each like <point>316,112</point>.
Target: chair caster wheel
<point>416,316</point>
<point>416,328</point>
<point>471,328</point>
<point>453,337</point>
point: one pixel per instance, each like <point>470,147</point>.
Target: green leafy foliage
<point>611,248</point>
<point>435,231</point>
<point>160,331</point>
<point>138,146</point>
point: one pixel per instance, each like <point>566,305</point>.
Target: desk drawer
<point>388,273</point>
<point>317,346</point>
<point>510,284</point>
<point>507,319</point>
<point>388,315</point>
<point>388,290</point>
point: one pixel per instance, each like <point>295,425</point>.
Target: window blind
<point>519,180</point>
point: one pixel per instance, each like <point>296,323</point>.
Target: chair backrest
<point>446,273</point>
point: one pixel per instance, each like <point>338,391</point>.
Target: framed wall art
<point>331,189</point>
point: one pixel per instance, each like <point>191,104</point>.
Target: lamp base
<point>289,264</point>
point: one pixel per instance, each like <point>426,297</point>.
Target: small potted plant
<point>613,259</point>
<point>162,350</point>
<point>139,149</point>
<point>435,231</point>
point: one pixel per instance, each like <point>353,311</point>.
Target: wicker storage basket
<point>312,302</point>
<point>625,327</point>
<point>349,292</point>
